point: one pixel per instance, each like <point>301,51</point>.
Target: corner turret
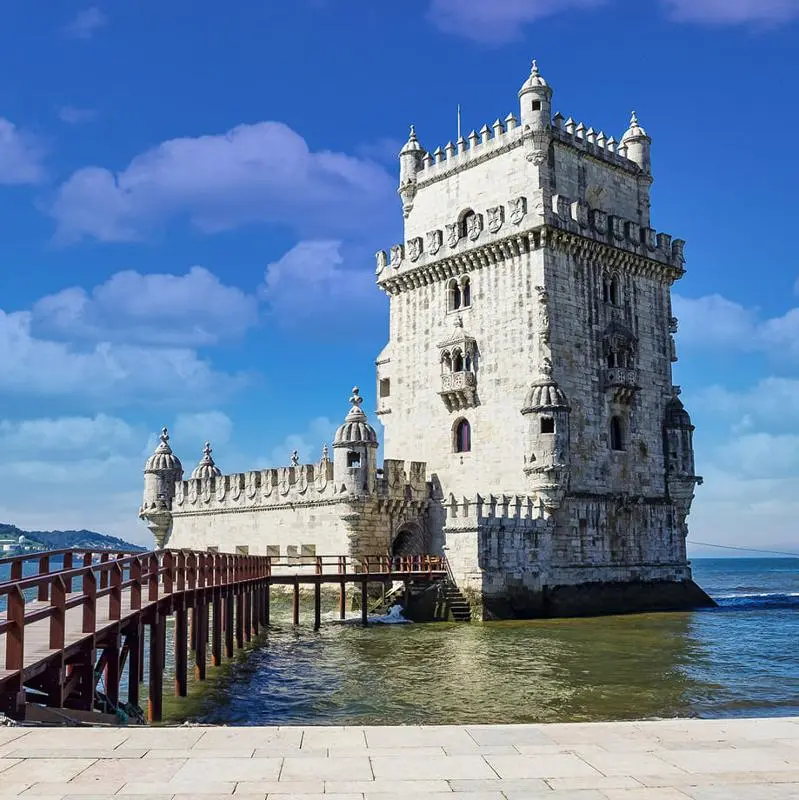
<point>638,145</point>
<point>535,98</point>
<point>411,161</point>
<point>355,451</point>
<point>678,448</point>
<point>547,458</point>
<point>161,472</point>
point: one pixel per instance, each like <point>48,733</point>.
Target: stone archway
<point>409,540</point>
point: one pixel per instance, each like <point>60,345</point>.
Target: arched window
<point>457,361</point>
<point>616,433</point>
<point>611,358</point>
<point>605,290</point>
<point>466,292</point>
<point>455,299</point>
<point>446,362</point>
<point>463,436</point>
<point>463,226</point>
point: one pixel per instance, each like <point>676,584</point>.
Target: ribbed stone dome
<point>534,81</point>
<point>412,145</point>
<point>163,459</point>
<point>206,468</point>
<point>355,430</point>
<point>545,395</point>
<point>676,415</point>
<point>635,131</point>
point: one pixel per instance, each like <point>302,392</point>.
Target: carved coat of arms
<point>397,255</point>
<point>474,226</point>
<point>600,221</point>
<point>496,216</point>
<point>518,208</point>
<point>434,241</point>
<point>381,260</point>
<point>415,248</point>
<point>452,234</point>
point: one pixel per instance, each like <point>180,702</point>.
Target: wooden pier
<point>65,627</point>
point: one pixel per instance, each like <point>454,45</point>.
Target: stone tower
<point>529,364</point>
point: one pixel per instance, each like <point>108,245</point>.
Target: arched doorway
<point>409,540</point>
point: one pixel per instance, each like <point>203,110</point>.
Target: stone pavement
<point>740,759</point>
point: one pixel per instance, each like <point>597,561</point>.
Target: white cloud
<point>497,21</point>
<point>308,445</point>
<point>308,286</point>
<point>772,402</point>
<point>21,155</point>
<point>117,374</point>
<point>193,430</point>
<point>177,310</point>
<point>86,23</point>
<point>75,116</point>
<point>733,11</point>
<point>263,172</point>
<point>713,321</point>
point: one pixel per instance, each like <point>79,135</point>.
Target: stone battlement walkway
<point>670,760</point>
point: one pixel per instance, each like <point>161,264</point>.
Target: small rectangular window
<point>212,549</point>
<point>385,387</point>
<point>353,459</point>
<point>536,105</point>
<point>242,549</point>
<point>547,425</point>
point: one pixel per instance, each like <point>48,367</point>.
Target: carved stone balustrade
<point>458,389</point>
<point>622,382</point>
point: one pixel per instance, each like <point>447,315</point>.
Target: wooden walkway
<point>63,627</point>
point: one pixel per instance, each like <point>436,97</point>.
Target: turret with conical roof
<point>355,451</point>
<point>535,98</point>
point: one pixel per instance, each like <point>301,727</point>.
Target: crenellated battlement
<point>592,142</point>
<point>489,140</point>
<point>493,510</point>
<point>297,484</point>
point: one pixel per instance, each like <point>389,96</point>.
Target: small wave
<point>746,600</point>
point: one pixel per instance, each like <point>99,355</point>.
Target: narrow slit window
<point>463,437</point>
<point>616,434</point>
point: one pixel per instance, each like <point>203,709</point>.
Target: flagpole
<point>459,121</point>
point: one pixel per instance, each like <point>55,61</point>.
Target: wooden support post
<point>317,606</point>
<point>229,624</point>
<point>141,651</point>
<point>201,651</point>
<point>342,600</point>
<point>266,605</point>
<point>296,602</point>
<point>364,604</point>
<point>256,610</point>
<point>239,620</point>
<point>216,639</point>
<point>181,651</point>
<point>134,664</point>
<point>112,673</point>
<point>156,693</point>
<point>247,614</point>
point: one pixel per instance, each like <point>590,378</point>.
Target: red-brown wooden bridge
<point>83,614</point>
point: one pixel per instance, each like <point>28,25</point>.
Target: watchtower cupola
<point>355,451</point>
<point>535,98</point>
<point>410,157</point>
<point>638,144</point>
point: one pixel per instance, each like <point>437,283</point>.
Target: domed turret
<point>411,159</point>
<point>678,439</point>
<point>355,451</point>
<point>535,98</point>
<point>207,468</point>
<point>546,460</point>
<point>161,472</point>
<point>638,144</point>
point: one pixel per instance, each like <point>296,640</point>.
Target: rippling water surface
<point>741,659</point>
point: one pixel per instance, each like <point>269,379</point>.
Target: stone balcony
<point>622,382</point>
<point>458,389</point>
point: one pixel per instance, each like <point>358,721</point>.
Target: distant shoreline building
<point>532,430</point>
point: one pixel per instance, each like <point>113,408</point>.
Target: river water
<point>741,659</point>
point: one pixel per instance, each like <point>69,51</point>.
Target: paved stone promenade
<point>674,760</point>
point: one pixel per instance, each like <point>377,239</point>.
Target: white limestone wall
<point>501,319</point>
<point>313,528</point>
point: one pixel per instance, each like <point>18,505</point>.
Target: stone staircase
<point>455,603</point>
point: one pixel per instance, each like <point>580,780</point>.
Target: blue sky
<point>191,194</point>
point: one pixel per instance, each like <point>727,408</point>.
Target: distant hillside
<point>59,540</point>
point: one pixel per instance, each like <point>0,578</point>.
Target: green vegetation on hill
<point>59,540</point>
